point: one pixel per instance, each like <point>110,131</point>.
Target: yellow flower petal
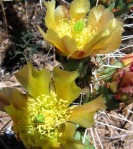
<point>104,41</point>
<point>70,46</point>
<point>106,17</point>
<point>43,34</point>
<point>4,99</point>
<point>34,81</point>
<point>115,28</point>
<point>68,134</point>
<point>65,86</point>
<point>52,38</point>
<point>99,17</point>
<point>69,131</point>
<point>79,9</point>
<point>55,40</point>
<point>71,144</point>
<point>63,44</point>
<point>84,114</point>
<point>50,18</point>
<point>60,12</point>
<point>95,15</point>
<point>12,96</point>
<point>100,37</point>
<point>114,44</point>
<point>16,116</point>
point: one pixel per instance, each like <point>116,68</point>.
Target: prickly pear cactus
<point>118,6</point>
<point>117,82</point>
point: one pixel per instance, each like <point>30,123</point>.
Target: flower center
<point>76,30</point>
<point>43,117</point>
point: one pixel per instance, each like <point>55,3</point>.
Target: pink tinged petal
<point>65,86</point>
<point>12,96</point>
<point>79,9</point>
<point>50,18</point>
<point>34,81</point>
<point>84,114</point>
<point>60,13</point>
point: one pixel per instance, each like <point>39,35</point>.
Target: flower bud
<point>122,80</point>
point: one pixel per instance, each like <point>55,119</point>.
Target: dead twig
<point>4,16</point>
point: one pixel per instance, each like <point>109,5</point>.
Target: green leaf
<point>78,136</point>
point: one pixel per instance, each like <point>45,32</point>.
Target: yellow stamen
<point>43,117</point>
<point>76,30</point>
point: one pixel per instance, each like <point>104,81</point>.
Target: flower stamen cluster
<point>43,117</point>
<point>76,30</point>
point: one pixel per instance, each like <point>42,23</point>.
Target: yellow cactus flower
<point>79,32</point>
<point>44,117</point>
